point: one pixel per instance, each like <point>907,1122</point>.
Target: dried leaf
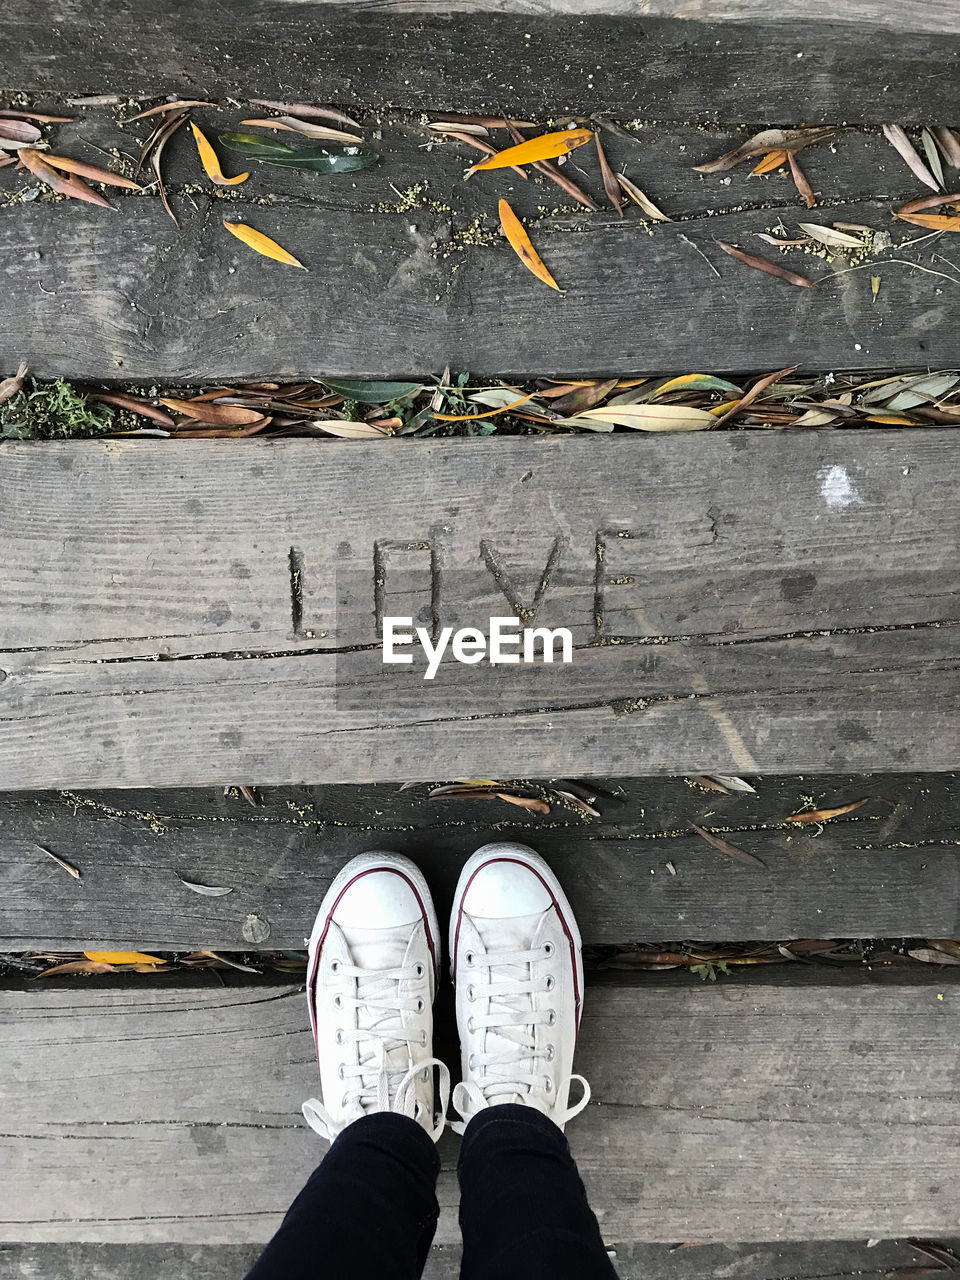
<point>824,815</point>
<point>932,154</point>
<point>768,140</point>
<point>211,161</point>
<point>950,946</point>
<point>654,417</point>
<point>221,415</point>
<point>644,201</point>
<point>303,109</point>
<point>262,244</point>
<point>488,122</point>
<point>725,783</point>
<point>580,399</point>
<point>524,802</point>
<point>18,133</point>
<point>933,221</point>
<point>62,862</point>
<point>764,264</point>
<point>949,144</point>
<point>610,184</point>
<point>348,430</point>
<point>757,389</point>
<point>123,957</point>
<point>550,170</point>
<point>180,105</point>
<point>521,244</point>
<point>899,140</point>
<point>205,890</point>
<point>694,382</point>
<point>800,182</point>
<point>133,405</point>
<point>156,144</point>
<point>5,160</point>
<point>782,244</point>
<point>772,160</point>
<point>305,128</point>
<point>724,846</point>
<point>91,171</point>
<point>7,114</point>
<point>546,147</point>
<point>459,126</point>
<point>490,413</point>
<point>930,202</point>
<point>77,966</point>
<point>11,386</point>
<point>74,187</point>
<point>931,956</point>
<point>485,147</point>
<point>830,236</point>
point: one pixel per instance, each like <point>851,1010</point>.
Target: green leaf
<point>325,160</point>
<point>370,392</point>
<point>252,144</point>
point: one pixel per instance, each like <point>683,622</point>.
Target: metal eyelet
<point>471,1025</point>
<point>468,959</point>
<point>340,1073</point>
<point>419,970</point>
<point>334,966</point>
<point>423,1039</point>
<point>472,1062</point>
<point>548,1084</point>
<point>340,1038</point>
<point>550,983</point>
<point>548,948</point>
<point>338,1001</point>
<point>420,1006</point>
<point>550,1052</point>
<point>471,995</point>
<point>551,1017</point>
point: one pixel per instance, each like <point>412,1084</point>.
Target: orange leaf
<point>934,221</point>
<point>772,160</point>
<point>56,182</point>
<point>260,243</point>
<point>123,957</point>
<point>545,147</point>
<point>822,815</point>
<point>521,244</point>
<point>92,171</point>
<point>211,163</point>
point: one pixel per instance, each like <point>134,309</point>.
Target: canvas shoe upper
<point>371,981</point>
<point>518,974</point>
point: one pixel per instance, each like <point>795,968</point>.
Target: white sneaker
<point>515,958</point>
<point>371,980</point>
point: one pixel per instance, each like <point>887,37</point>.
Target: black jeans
<point>369,1211</point>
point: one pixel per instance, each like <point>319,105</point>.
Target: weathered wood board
<point>686,60</point>
<point>889,869</point>
<point>415,275</point>
<point>742,1110</point>
<point>805,1260</point>
<point>736,603</point>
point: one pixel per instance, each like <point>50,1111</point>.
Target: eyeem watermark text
<point>505,644</point>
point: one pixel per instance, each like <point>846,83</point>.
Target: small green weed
<point>58,411</point>
<point>707,972</point>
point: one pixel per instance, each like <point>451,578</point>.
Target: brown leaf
<point>768,140</point>
<point>77,966</point>
<point>91,171</point>
<point>800,182</point>
<point>485,147</point>
<point>824,815</point>
<point>550,170</point>
<point>488,122</point>
<point>929,955</point>
<point>582,398</point>
<point>304,110</point>
<point>74,187</point>
<point>221,415</point>
<point>18,133</point>
<point>949,946</point>
<point>10,387</point>
<point>644,201</point>
<point>122,401</point>
<point>35,115</point>
<point>62,862</point>
<point>291,124</point>
<point>180,105</point>
<point>5,160</point>
<point>899,140</point>
<point>610,184</point>
<point>949,144</point>
<point>524,802</point>
<point>929,202</point>
<point>759,386</point>
<point>764,264</point>
<point>724,846</point>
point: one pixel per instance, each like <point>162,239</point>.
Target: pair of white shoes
<point>374,965</point>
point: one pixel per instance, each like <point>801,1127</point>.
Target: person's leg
<point>369,1211</point>
<point>515,955</point>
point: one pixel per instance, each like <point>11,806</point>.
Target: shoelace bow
<point>511,1069</point>
<point>376,1082</point>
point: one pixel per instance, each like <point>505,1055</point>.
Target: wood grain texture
<point>736,601</point>
<point>720,1111</point>
<point>889,869</point>
<point>678,60</point>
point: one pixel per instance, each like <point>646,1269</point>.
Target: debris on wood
<point>211,161</point>
<point>546,147</point>
<point>724,846</point>
<point>898,139</point>
<point>520,242</point>
<point>824,815</point>
<point>764,264</point>
<point>262,244</point>
<point>788,140</point>
<point>70,869</point>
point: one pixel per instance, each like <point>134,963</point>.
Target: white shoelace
<point>384,1078</point>
<point>509,1070</point>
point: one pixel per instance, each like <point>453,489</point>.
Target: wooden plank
<point>890,869</point>
<point>707,1122</point>
<point>796,59</point>
<point>806,1260</point>
<point>715,628</point>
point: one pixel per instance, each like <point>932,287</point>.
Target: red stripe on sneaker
<point>563,923</point>
<point>312,980</point>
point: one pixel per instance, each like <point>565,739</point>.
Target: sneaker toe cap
<point>503,889</point>
<point>378,899</point>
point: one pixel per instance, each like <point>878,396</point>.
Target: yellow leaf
<point>521,245</point>
<point>772,160</point>
<point>260,243</point>
<point>123,957</point>
<point>545,147</point>
<point>935,221</point>
<point>211,164</point>
<point>719,409</point>
<point>891,419</point>
<point>653,417</point>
